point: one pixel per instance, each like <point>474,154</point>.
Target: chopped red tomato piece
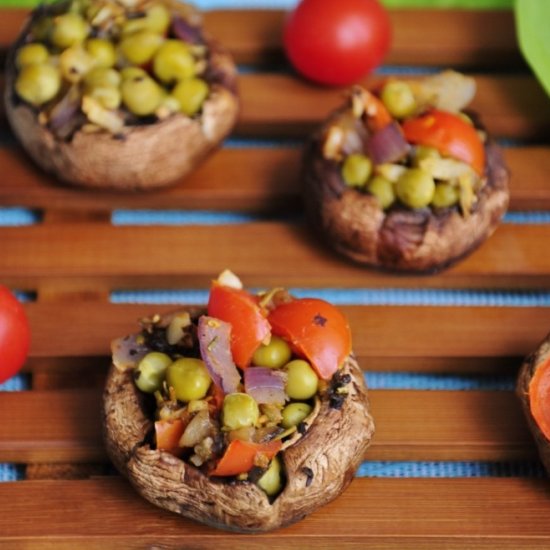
<point>168,434</point>
<point>239,457</point>
<point>249,325</point>
<point>316,330</point>
<point>449,134</point>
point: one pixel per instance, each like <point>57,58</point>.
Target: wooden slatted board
<point>75,257</point>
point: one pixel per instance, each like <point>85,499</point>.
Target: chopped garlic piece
<point>445,168</point>
<point>97,114</point>
<point>228,278</point>
<point>448,90</point>
<point>392,172</point>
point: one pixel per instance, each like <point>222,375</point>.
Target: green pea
<point>38,84</point>
<point>102,51</point>
<point>140,47</point>
<point>102,76</point>
<point>190,94</point>
<point>173,61</point>
<point>398,98</point>
<point>150,372</point>
<point>274,355</point>
<point>356,170</point>
<point>423,152</point>
<point>69,29</point>
<point>239,410</point>
<point>294,413</point>
<point>272,480</point>
<point>31,54</point>
<point>415,188</point>
<point>75,63</point>
<point>158,18</point>
<point>302,381</point>
<point>383,190</point>
<point>189,378</point>
<point>445,195</point>
<point>141,95</point>
<point>132,72</point>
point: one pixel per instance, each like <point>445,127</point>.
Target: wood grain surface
<point>264,253</point>
<point>73,258</point>
<point>380,513</point>
<point>269,184</point>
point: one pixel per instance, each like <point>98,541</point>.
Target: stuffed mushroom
<point>403,178</point>
<point>124,94</point>
<point>533,390</point>
<point>246,416</point>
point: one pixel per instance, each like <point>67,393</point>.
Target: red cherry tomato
<point>337,42</point>
<point>539,397</point>
<point>14,335</point>
<point>449,134</point>
<point>315,330</point>
<point>249,327</point>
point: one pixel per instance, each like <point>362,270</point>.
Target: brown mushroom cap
<point>141,156</point>
<point>400,239</point>
<point>526,373</point>
<point>318,466</point>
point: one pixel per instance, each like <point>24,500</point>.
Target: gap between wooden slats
<point>383,513</point>
<point>263,254</point>
<point>384,338</point>
<point>437,37</point>
<point>275,105</point>
<point>250,179</point>
<point>64,426</point>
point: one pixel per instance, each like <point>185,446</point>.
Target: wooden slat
<point>64,426</point>
<point>275,105</point>
<point>389,513</point>
<point>449,38</point>
<point>385,338</point>
<point>255,179</point>
<point>264,254</point>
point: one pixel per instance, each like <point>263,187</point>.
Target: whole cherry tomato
<point>14,335</point>
<point>316,330</point>
<point>539,397</point>
<point>449,134</point>
<point>337,42</point>
<point>249,327</point>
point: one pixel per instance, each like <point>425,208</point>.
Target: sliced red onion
<point>215,343</point>
<point>186,32</point>
<point>127,352</point>
<point>265,385</point>
<point>387,145</point>
<point>64,115</point>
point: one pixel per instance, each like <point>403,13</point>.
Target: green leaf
<point>461,4</point>
<point>532,23</point>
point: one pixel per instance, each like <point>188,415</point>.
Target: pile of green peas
<point>187,380</point>
<point>413,187</point>
<point>136,65</point>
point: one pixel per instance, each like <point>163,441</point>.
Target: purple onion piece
<point>215,344</point>
<point>387,145</point>
<point>127,352</point>
<point>64,115</point>
<point>265,385</point>
<point>186,32</point>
